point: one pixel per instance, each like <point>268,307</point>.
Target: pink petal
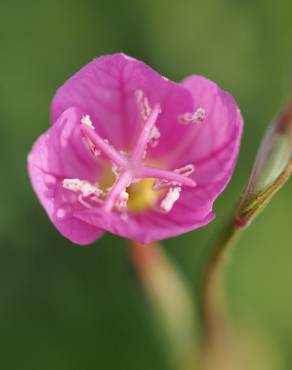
<point>212,145</point>
<point>105,89</point>
<point>58,154</point>
<point>147,226</point>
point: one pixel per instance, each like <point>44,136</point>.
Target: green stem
<point>212,295</point>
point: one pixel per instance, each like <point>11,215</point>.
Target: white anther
<point>85,120</point>
<point>143,104</point>
<point>154,136</point>
<point>122,200</point>
<point>198,115</point>
<point>153,139</point>
<point>171,197</point>
<point>82,186</point>
<point>186,170</point>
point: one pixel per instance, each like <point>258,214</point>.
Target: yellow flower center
<point>141,195</point>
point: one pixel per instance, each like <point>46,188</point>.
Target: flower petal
<point>105,89</point>
<point>147,226</point>
<point>57,154</point>
<point>212,145</point>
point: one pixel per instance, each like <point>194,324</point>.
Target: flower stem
<point>169,295</point>
<point>213,309</point>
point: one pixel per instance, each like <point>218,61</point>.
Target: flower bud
<point>272,168</point>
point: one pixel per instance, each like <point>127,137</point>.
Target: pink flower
<point>133,153</point>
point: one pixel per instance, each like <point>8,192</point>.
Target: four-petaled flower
<point>133,153</point>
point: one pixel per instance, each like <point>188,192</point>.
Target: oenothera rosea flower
<point>133,153</point>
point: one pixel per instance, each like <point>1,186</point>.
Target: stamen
<point>171,197</point>
<point>122,200</point>
<point>83,202</point>
<point>86,190</point>
<point>85,120</point>
<point>143,104</point>
<point>82,186</point>
<point>154,137</point>
<point>186,170</point>
<point>198,115</point>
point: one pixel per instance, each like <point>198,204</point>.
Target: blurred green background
<point>66,307</point>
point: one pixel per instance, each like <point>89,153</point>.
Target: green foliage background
<point>65,307</point>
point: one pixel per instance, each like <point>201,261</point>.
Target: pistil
<point>145,136</point>
<point>116,192</point>
<point>168,177</point>
<point>103,145</point>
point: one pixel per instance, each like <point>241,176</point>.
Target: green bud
<point>272,168</point>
